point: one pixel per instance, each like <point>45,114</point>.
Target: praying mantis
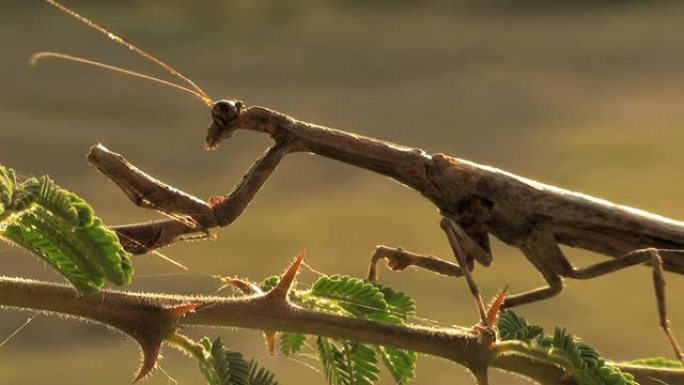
<point>474,202</point>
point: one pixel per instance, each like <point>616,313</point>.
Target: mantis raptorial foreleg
<point>228,208</point>
<point>142,188</point>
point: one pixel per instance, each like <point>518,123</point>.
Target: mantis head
<point>224,117</point>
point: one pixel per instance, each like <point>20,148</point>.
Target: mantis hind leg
<point>649,256</point>
<point>543,251</point>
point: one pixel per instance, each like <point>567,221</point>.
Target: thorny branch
<point>140,313</point>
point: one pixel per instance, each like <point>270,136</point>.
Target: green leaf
<point>291,343</point>
<point>362,363</point>
<point>29,232</point>
<point>53,199</point>
<point>565,342</point>
<point>8,182</point>
<point>400,363</point>
<point>332,360</point>
<point>514,327</point>
<point>103,248</point>
<point>398,303</point>
<point>260,376</point>
<point>60,228</point>
<point>347,363</point>
<point>358,298</point>
<point>612,375</point>
<point>269,283</point>
<point>230,366</point>
<point>580,360</point>
<point>588,355</point>
<point>221,366</point>
<point>658,362</point>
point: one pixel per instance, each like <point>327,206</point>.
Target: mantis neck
<point>404,164</point>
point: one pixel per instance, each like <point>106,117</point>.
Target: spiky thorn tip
<point>488,336</point>
<point>485,329</point>
<point>494,306</point>
<point>150,342</point>
<point>270,340</point>
<point>150,355</point>
<point>280,291</point>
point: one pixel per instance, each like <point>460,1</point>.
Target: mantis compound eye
<point>224,115</point>
<point>223,111</point>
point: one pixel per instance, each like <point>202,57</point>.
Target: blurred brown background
<point>588,96</point>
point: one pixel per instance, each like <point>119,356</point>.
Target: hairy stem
<point>265,313</point>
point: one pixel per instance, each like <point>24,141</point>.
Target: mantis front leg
<point>191,215</point>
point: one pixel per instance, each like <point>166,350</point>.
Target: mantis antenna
<point>45,54</point>
<point>193,88</point>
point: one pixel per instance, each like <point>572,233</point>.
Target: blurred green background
<point>588,96</point>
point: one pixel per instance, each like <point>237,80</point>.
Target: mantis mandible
<point>474,201</point>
